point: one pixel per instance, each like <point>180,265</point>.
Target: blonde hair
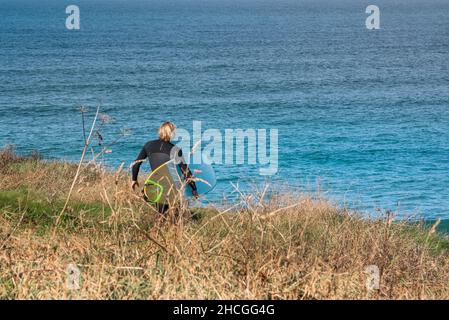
<point>166,131</point>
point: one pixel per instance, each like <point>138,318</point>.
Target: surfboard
<point>203,176</point>
<point>167,182</point>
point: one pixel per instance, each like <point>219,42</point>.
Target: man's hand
<point>134,184</point>
<point>195,194</point>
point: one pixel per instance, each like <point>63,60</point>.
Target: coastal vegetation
<point>263,246</point>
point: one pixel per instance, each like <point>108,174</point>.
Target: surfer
<point>159,152</point>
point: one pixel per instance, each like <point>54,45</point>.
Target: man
<point>159,152</point>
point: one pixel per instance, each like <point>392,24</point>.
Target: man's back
<point>158,152</point>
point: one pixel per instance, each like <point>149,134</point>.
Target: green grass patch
<point>23,166</point>
<point>40,211</point>
<point>438,242</point>
<point>198,213</point>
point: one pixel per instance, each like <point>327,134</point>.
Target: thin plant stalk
<point>86,145</point>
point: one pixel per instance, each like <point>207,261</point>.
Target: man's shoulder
<point>160,145</point>
<point>151,143</point>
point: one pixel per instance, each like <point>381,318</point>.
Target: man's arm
<point>136,166</point>
<point>187,174</point>
<point>189,178</point>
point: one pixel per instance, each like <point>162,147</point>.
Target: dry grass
<point>270,248</point>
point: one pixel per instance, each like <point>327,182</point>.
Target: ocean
<point>363,115</point>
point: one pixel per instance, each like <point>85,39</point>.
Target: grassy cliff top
<point>281,247</point>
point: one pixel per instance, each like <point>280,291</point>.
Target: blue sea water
<point>364,113</point>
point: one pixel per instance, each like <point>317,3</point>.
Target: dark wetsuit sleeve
<point>186,172</point>
<point>138,162</point>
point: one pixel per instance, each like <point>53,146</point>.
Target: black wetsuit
<point>159,152</point>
